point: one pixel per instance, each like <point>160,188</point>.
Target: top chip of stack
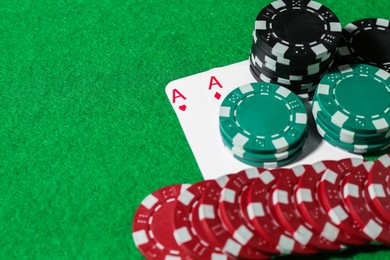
<point>294,43</point>
<point>250,132</point>
<point>351,108</point>
<point>365,41</point>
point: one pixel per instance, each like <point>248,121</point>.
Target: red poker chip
<point>353,194</point>
<point>307,202</point>
<point>244,202</point>
<point>186,232</point>
<point>213,226</point>
<point>330,194</point>
<point>231,216</point>
<point>288,215</point>
<point>261,214</point>
<point>378,186</point>
<point>153,225</point>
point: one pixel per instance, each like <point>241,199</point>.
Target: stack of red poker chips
<point>259,213</point>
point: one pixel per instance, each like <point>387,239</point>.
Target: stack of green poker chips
<point>351,108</point>
<point>263,124</point>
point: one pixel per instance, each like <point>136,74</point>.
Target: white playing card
<point>200,121</point>
<point>189,101</point>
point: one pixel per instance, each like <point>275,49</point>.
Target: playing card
<point>189,100</point>
<point>204,94</point>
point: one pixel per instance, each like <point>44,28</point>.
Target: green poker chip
<point>262,118</point>
<point>356,97</point>
<point>275,157</point>
<point>328,135</point>
<point>346,135</point>
<point>275,164</point>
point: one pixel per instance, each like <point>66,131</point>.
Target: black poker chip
<point>366,41</point>
<point>294,43</point>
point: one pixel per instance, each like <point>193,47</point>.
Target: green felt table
<point>86,131</point>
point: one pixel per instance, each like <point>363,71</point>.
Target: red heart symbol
<point>183,107</point>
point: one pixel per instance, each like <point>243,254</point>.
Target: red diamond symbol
<point>217,95</point>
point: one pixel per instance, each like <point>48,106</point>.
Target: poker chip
<point>378,186</point>
<point>260,213</point>
<point>229,210</point>
<point>369,85</point>
<point>152,230</point>
<point>285,26</point>
<point>287,78</point>
<point>346,135</point>
<point>187,227</point>
<point>213,227</point>
<point>340,117</point>
<point>354,197</point>
<point>350,143</point>
<point>243,203</point>
<point>271,157</point>
<point>294,43</point>
<point>305,84</point>
<point>289,216</point>
<point>366,41</point>
<point>309,207</point>
<point>249,129</point>
<point>260,164</point>
<point>305,92</point>
<point>330,196</point>
<point>287,65</point>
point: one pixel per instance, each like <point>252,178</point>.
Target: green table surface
<point>86,131</point>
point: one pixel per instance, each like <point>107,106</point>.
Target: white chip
<point>319,49</point>
<point>267,177</point>
<point>319,167</point>
<point>186,197</point>
<point>284,92</point>
<point>260,25</point>
<point>240,140</point>
<point>303,235</point>
<point>351,190</point>
<point>304,195</point>
<point>372,229</point>
<point>140,237</point>
<point>385,160</point>
<point>243,235</point>
<point>329,176</point>
<point>330,232</point>
<point>222,181</point>
<point>279,49</point>
<point>280,143</point>
<point>323,89</point>
<point>376,191</point>
<point>246,88</point>
<point>232,247</point>
<point>224,112</point>
<point>301,118</point>
<point>206,212</point>
<point>149,201</point>
<point>255,209</point>
<point>338,214</point>
<point>216,256</point>
<point>182,235</point>
<point>285,244</point>
<point>280,196</point>
<point>252,173</point>
<point>228,195</point>
<point>339,119</point>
